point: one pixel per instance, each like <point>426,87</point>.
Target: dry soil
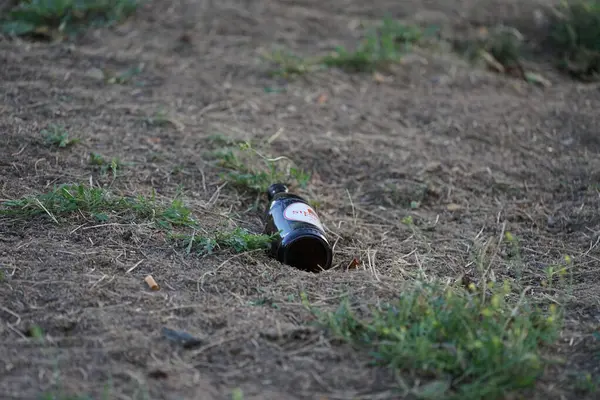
<point>504,154</point>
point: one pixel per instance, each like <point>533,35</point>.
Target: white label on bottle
<point>303,213</point>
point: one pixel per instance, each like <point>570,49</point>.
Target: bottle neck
<point>275,189</point>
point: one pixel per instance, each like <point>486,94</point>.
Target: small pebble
<point>95,73</point>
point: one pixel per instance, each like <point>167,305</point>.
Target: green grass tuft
<point>247,168</point>
<point>97,203</point>
<point>62,200</point>
<point>586,383</point>
<point>466,345</point>
<point>114,164</point>
<point>239,240</point>
<point>289,64</point>
<point>506,46</point>
<point>237,394</point>
<point>382,45</point>
<point>64,17</point>
<point>175,214</point>
<point>55,135</point>
<point>575,33</point>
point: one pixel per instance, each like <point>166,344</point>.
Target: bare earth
<point>508,156</point>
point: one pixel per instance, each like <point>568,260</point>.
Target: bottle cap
<point>276,188</point>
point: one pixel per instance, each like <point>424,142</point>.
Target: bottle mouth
<point>276,188</point>
<point>309,254</point>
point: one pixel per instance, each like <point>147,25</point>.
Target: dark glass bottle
<point>301,242</point>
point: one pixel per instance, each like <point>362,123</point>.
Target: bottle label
<point>303,213</point>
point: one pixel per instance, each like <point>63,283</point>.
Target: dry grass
<point>461,204</point>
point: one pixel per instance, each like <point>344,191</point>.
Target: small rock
<point>95,73</point>
<point>453,207</point>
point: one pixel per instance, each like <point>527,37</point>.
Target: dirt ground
<point>511,156</point>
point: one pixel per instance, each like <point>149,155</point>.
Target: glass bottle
<point>301,242</point>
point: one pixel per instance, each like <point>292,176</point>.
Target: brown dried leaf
<point>355,263</point>
<point>380,78</point>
